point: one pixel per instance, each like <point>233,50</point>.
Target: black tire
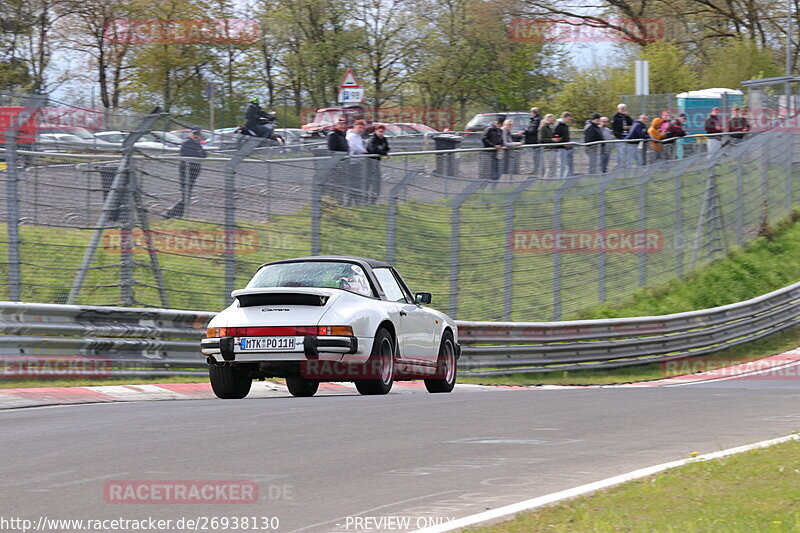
<point>228,382</point>
<point>381,362</point>
<point>301,387</point>
<point>445,367</point>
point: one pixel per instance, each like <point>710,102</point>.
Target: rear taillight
<point>269,331</point>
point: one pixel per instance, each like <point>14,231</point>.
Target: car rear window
<point>321,274</point>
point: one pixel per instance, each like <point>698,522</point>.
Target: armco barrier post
<point>12,195</point>
<point>111,201</point>
<point>230,211</point>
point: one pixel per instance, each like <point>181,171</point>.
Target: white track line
<point>509,510</point>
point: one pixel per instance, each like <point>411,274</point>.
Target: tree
<point>738,59</point>
<point>670,72</point>
<point>595,89</point>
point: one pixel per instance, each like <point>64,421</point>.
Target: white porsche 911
<point>331,318</point>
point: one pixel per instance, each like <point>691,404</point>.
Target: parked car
<point>149,141</point>
<point>481,121</point>
<point>62,142</point>
<point>413,127</point>
<point>330,318</point>
<point>326,118</point>
<point>87,137</point>
<point>182,134</point>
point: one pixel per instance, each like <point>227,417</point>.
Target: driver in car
<point>352,278</point>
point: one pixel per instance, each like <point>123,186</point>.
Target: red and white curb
<point>782,366</point>
<point>43,396</point>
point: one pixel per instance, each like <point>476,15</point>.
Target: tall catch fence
<point>553,236</point>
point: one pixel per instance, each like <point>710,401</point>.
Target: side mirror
<point>422,297</point>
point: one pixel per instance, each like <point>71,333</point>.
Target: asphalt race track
<point>321,462</point>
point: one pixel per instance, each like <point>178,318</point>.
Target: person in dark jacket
<point>188,171</point>
<point>338,185</point>
<point>493,138</point>
<point>377,145</point>
<point>549,157</point>
<point>737,123</point>
<point>713,124</point>
<point>621,122</point>
<point>592,133</point>
<point>253,115</point>
<point>531,136</point>
<point>561,135</point>
<point>337,138</point>
<point>638,132</point>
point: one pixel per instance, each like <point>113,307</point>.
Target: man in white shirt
<point>355,143</point>
<point>354,138</point>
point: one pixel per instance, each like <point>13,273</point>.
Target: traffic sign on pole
<point>349,81</point>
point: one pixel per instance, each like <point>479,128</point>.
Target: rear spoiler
<point>282,296</point>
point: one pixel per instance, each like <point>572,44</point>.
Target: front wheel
<point>380,364</point>
<point>228,382</point>
<point>445,367</point>
<point>301,387</point>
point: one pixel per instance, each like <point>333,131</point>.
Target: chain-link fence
<point>526,233</point>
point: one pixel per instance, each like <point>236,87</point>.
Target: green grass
<point>752,492</point>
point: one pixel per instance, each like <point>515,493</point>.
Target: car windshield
<point>480,121</point>
<point>112,137</point>
<point>323,274</point>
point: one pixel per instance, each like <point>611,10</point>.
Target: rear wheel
<point>445,367</point>
<point>229,382</point>
<point>301,387</point>
<point>380,364</point>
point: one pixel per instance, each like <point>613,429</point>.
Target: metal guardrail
<point>152,342</point>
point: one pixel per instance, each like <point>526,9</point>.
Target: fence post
<point>321,174</point>
<point>126,244</point>
<point>557,199</point>
<point>643,227</point>
<point>508,254</point>
<point>230,210</point>
<point>391,214</point>
<point>110,202</point>
<point>739,200</point>
<point>680,241</point>
<point>788,170</point>
<point>455,240</point>
<point>601,226</point>
<point>12,196</point>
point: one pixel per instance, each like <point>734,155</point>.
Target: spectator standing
<point>737,123</point>
<point>188,171</point>
<point>638,132</point>
<point>562,136</point>
<point>547,131</point>
<point>377,145</point>
<point>606,148</point>
<point>493,138</point>
<point>654,131</point>
<point>673,133</point>
<point>531,134</point>
<point>713,124</point>
<point>355,144</point>
<point>508,142</point>
<point>621,123</point>
<point>340,175</point>
<point>337,138</point>
<point>592,133</point>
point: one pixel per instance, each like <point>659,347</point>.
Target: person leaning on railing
<point>737,123</point>
<point>377,145</point>
<point>638,132</point>
<point>547,131</point>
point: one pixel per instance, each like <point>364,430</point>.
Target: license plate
<point>265,344</point>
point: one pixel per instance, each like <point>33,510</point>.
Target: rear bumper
<point>333,348</point>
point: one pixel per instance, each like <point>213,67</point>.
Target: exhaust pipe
<point>210,360</point>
